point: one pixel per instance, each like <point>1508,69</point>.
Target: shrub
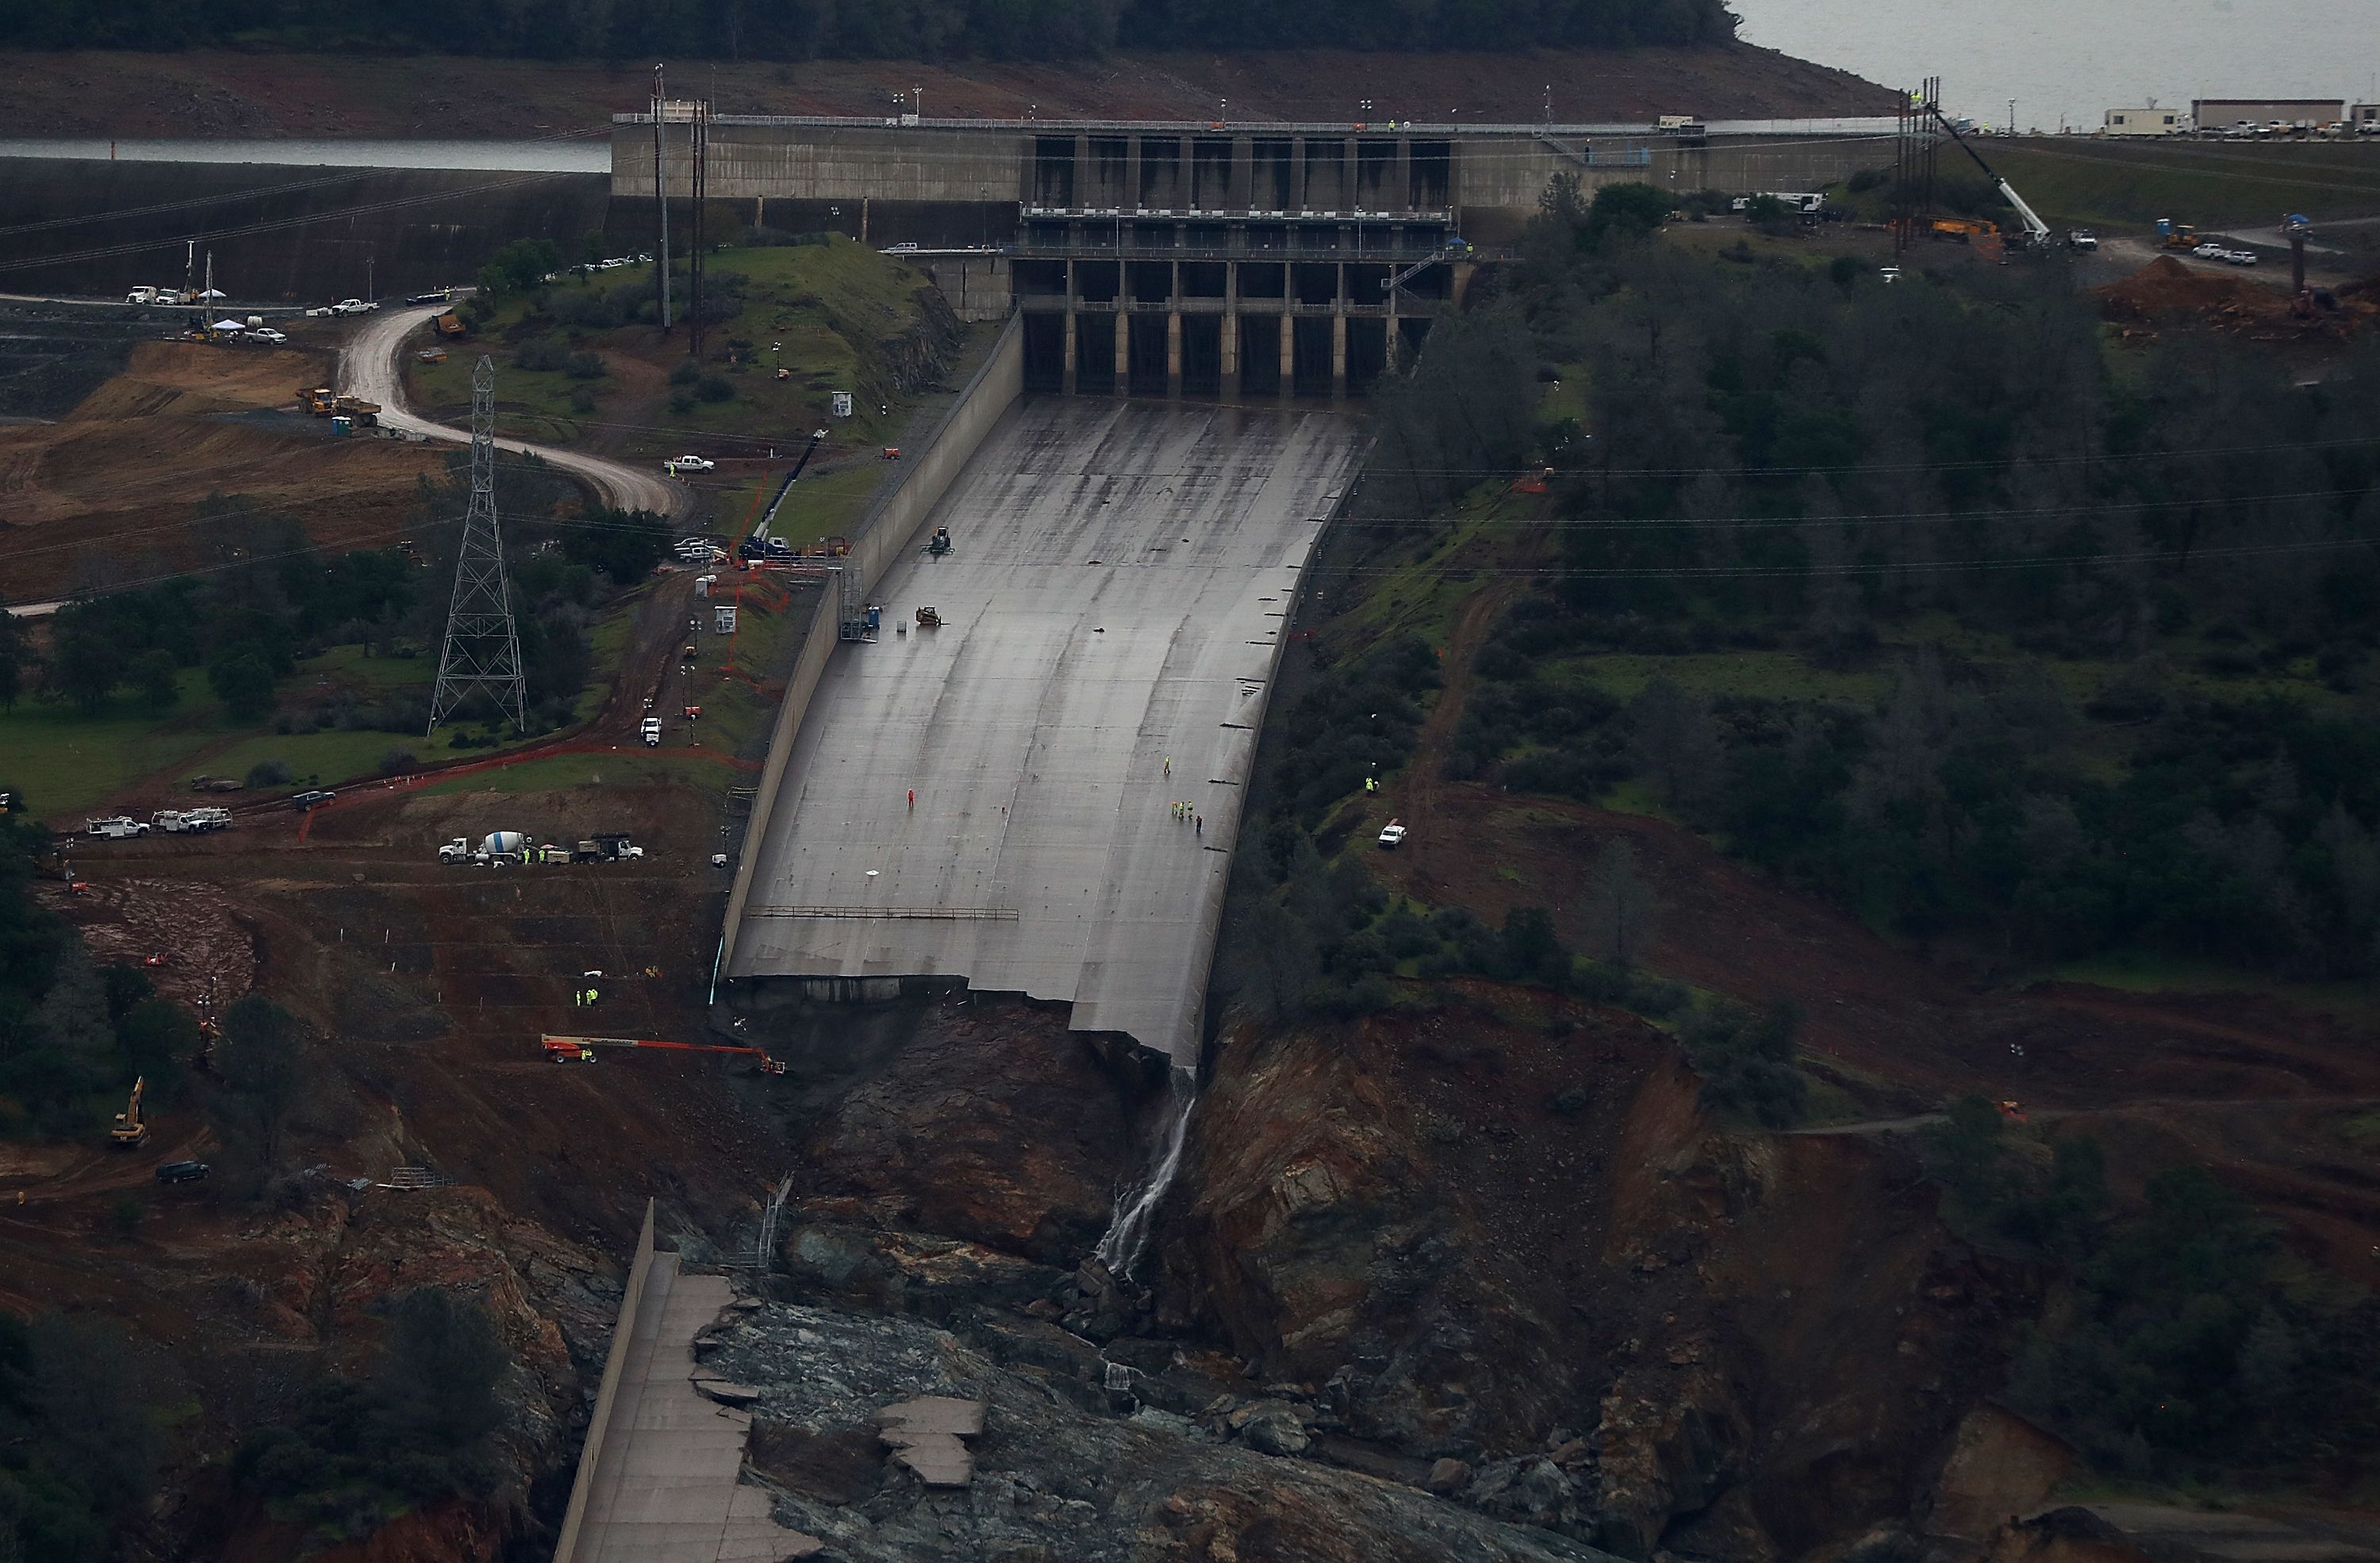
<point>398,762</point>
<point>715,388</point>
<point>1746,1061</point>
<point>582,401</point>
<point>584,366</point>
<point>682,403</point>
<point>539,356</point>
<point>686,371</point>
<point>268,773</point>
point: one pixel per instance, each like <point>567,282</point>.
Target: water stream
<point>1136,1202</point>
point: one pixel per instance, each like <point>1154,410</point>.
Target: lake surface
<point>2073,59</point>
<point>587,153</point>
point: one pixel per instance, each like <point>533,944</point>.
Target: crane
<point>581,1049</point>
<point>759,545</point>
<point>131,1131</point>
<point>2036,232</point>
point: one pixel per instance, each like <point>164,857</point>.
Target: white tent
<point>231,325</point>
<point>214,293</point>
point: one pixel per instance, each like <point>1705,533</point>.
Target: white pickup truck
<point>190,821</point>
<point>115,829</point>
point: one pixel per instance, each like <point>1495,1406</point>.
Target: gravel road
<point>370,365</point>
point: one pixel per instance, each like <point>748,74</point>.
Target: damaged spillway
<point>1040,792</point>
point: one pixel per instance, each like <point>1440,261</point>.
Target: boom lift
<point>581,1049</point>
<point>131,1131</point>
<point>2036,232</point>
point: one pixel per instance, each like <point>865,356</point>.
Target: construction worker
<point>1169,765</point>
<point>1202,825</point>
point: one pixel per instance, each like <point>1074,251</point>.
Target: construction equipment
<point>2296,228</point>
<point>940,543</point>
<point>2036,232</point>
<point>581,1049</point>
<point>131,1131</point>
<point>450,324</point>
<point>929,618</point>
<point>2176,236</point>
<point>763,543</point>
<point>322,401</point>
<point>1963,230</point>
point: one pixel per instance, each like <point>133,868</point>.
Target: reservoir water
<point>586,152</point>
<point>2065,62</point>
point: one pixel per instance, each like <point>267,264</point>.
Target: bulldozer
<point>131,1131</point>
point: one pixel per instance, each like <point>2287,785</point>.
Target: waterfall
<point>1135,1203</point>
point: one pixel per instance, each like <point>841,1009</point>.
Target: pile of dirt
<point>2165,291</point>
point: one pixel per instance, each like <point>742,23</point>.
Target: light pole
<point>777,359</point>
<point>1364,111</point>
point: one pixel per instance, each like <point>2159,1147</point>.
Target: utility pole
<point>701,148</point>
<point>660,196</point>
<point>483,650</point>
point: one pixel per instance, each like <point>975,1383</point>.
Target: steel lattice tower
<point>482,643</point>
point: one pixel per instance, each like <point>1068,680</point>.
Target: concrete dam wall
<point>279,233</point>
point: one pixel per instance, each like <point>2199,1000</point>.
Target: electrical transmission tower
<point>482,645</point>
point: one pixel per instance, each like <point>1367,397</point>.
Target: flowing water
<point>2067,63</point>
<point>1136,1204</point>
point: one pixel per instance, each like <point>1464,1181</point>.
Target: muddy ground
<point>224,93</point>
<point>106,493</point>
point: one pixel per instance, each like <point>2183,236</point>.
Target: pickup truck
<point>354,307</point>
<point>650,730</point>
<point>115,829</point>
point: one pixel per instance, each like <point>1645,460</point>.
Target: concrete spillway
<point>1116,598</point>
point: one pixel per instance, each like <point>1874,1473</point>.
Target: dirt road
<point>371,365</point>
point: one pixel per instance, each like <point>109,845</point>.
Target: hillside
<point>226,92</point>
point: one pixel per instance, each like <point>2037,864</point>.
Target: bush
<point>715,388</point>
<point>584,366</point>
<point>540,356</point>
<point>268,773</point>
<point>1746,1061</point>
<point>682,403</point>
<point>686,371</point>
<point>398,762</point>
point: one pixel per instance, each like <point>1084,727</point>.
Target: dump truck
<point>607,847</point>
<point>450,324</point>
<point>320,401</point>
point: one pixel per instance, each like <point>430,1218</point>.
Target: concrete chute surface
<point>994,798</point>
<point>372,366</point>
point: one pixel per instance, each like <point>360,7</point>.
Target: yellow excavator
<point>131,1131</point>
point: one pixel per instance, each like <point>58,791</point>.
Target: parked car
<point>314,799</point>
<point>1393,837</point>
<point>2211,251</point>
<point>2241,257</point>
<point>354,307</point>
<point>435,296</point>
<point>2083,238</point>
<point>183,1173</point>
<point>266,333</point>
<point>651,730</point>
<point>677,465</point>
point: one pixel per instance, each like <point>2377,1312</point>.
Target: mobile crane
<point>763,543</point>
<point>2036,232</point>
<point>581,1049</point>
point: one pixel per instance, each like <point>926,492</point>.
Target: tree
<point>1624,910</point>
<point>443,1359</point>
<point>16,658</point>
<point>264,1075</point>
<point>1625,210</point>
<point>154,674</point>
<point>87,657</point>
<point>242,679</point>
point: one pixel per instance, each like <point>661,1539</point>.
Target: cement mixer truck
<point>498,849</point>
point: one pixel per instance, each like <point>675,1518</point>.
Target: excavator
<point>131,1131</point>
<point>581,1049</point>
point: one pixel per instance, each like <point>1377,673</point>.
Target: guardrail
<point>632,1296</point>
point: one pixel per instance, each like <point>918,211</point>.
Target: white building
<point>2143,122</point>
